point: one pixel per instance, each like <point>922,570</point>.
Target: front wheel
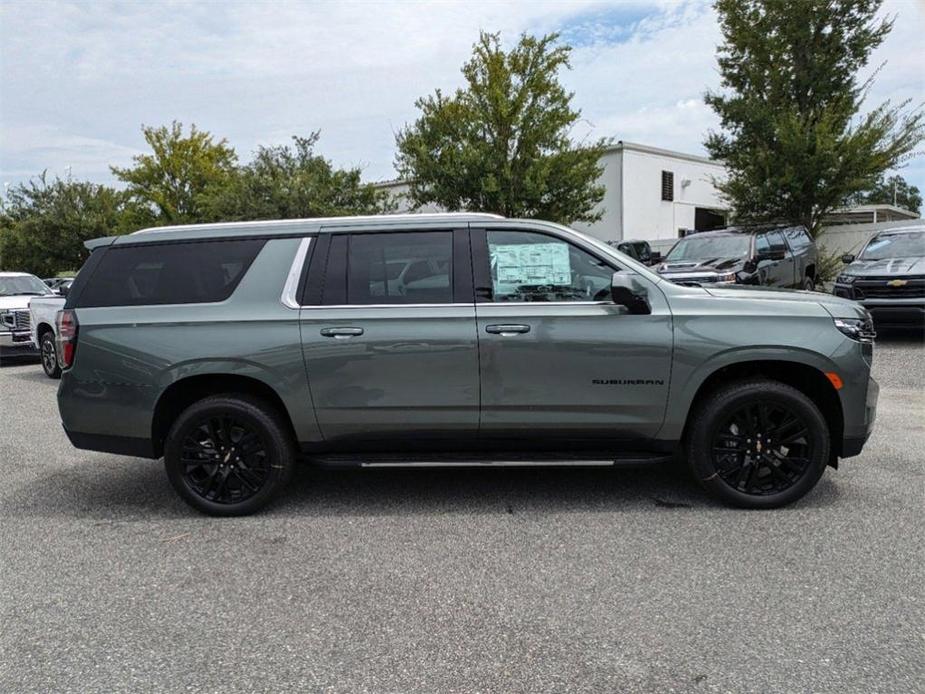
<point>228,455</point>
<point>758,444</point>
<point>809,284</point>
<point>50,364</point>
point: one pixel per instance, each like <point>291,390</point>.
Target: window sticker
<point>530,264</point>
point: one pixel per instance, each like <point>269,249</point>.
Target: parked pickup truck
<point>773,256</point>
<point>888,277</point>
<point>43,311</point>
<point>229,349</point>
<point>16,290</point>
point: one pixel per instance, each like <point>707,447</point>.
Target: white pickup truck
<point>43,310</point>
<point>16,290</point>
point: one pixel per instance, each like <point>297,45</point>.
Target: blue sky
<point>77,80</point>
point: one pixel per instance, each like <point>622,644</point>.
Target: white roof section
<point>894,210</point>
<point>16,274</point>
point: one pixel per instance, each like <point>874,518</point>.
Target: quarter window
<point>526,266</point>
<point>175,273</point>
<point>400,268</point>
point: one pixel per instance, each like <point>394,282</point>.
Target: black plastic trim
<point>105,443</point>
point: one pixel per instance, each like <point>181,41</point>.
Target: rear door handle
<point>341,333</point>
<point>507,329</point>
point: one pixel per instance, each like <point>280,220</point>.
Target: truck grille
<point>17,320</point>
<point>890,287</point>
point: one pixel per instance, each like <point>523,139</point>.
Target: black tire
<point>809,284</point>
<point>49,354</point>
<point>229,455</point>
<point>730,454</point>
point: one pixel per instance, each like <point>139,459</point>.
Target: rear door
<point>560,362</point>
<point>388,335</point>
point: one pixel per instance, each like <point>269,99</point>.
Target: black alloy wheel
<point>762,448</point>
<point>229,455</point>
<point>758,443</point>
<point>49,355</point>
<point>225,460</point>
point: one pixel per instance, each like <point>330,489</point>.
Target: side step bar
<point>486,460</point>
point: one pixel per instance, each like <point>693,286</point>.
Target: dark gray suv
<point>230,350</point>
<point>772,256</point>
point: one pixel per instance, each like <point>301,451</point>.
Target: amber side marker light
<point>834,379</point>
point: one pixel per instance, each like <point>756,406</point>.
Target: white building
<point>651,193</point>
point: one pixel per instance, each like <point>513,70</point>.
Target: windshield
<point>710,247</point>
<point>895,246</point>
<point>23,285</point>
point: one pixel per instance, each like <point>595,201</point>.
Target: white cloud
<point>78,79</point>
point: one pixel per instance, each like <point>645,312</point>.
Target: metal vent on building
<point>668,185</point>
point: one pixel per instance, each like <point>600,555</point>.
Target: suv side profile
<point>767,255</point>
<point>232,350</point>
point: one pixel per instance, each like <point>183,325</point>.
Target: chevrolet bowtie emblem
<point>897,283</point>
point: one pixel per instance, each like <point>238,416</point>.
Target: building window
<point>668,185</point>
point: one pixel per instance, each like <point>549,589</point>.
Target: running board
<point>485,460</point>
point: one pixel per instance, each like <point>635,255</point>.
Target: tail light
<point>67,336</point>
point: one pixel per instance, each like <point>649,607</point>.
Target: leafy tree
<point>793,138</point>
<point>894,190</point>
<point>502,143</point>
<point>292,182</point>
<point>172,181</point>
<point>44,224</point>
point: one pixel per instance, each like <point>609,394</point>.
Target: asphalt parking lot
<point>461,580</point>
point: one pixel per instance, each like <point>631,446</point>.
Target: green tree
<point>793,138</point>
<point>502,143</point>
<point>172,181</point>
<point>44,224</point>
<point>292,182</point>
<point>894,190</point>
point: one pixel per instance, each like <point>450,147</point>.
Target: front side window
<point>527,266</point>
<point>400,268</point>
<point>777,242</point>
<point>175,273</point>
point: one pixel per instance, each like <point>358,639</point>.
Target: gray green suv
<point>234,350</point>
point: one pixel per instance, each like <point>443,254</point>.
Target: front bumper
<point>14,343</point>
<point>855,437</point>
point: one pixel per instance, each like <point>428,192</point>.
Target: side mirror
<point>847,258</point>
<point>627,291</point>
<point>62,291</point>
<point>655,257</point>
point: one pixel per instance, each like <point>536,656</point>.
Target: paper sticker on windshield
<point>531,264</point>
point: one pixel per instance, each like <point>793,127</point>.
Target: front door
<point>389,342</point>
<point>559,360</point>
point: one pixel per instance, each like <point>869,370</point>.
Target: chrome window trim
<point>289,297</point>
<point>458,305</point>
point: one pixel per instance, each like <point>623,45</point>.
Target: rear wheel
<point>809,284</point>
<point>758,444</point>
<point>228,455</point>
<point>49,355</point>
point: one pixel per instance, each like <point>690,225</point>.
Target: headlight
<point>845,279</point>
<point>6,321</point>
<point>728,277</point>
<point>857,329</point>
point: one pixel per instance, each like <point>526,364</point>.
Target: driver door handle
<point>341,333</point>
<point>507,330</point>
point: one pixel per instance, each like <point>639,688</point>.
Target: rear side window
<point>400,268</point>
<point>798,238</point>
<point>176,273</point>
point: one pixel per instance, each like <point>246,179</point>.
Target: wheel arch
<point>41,328</point>
<point>184,392</point>
<point>808,379</point>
